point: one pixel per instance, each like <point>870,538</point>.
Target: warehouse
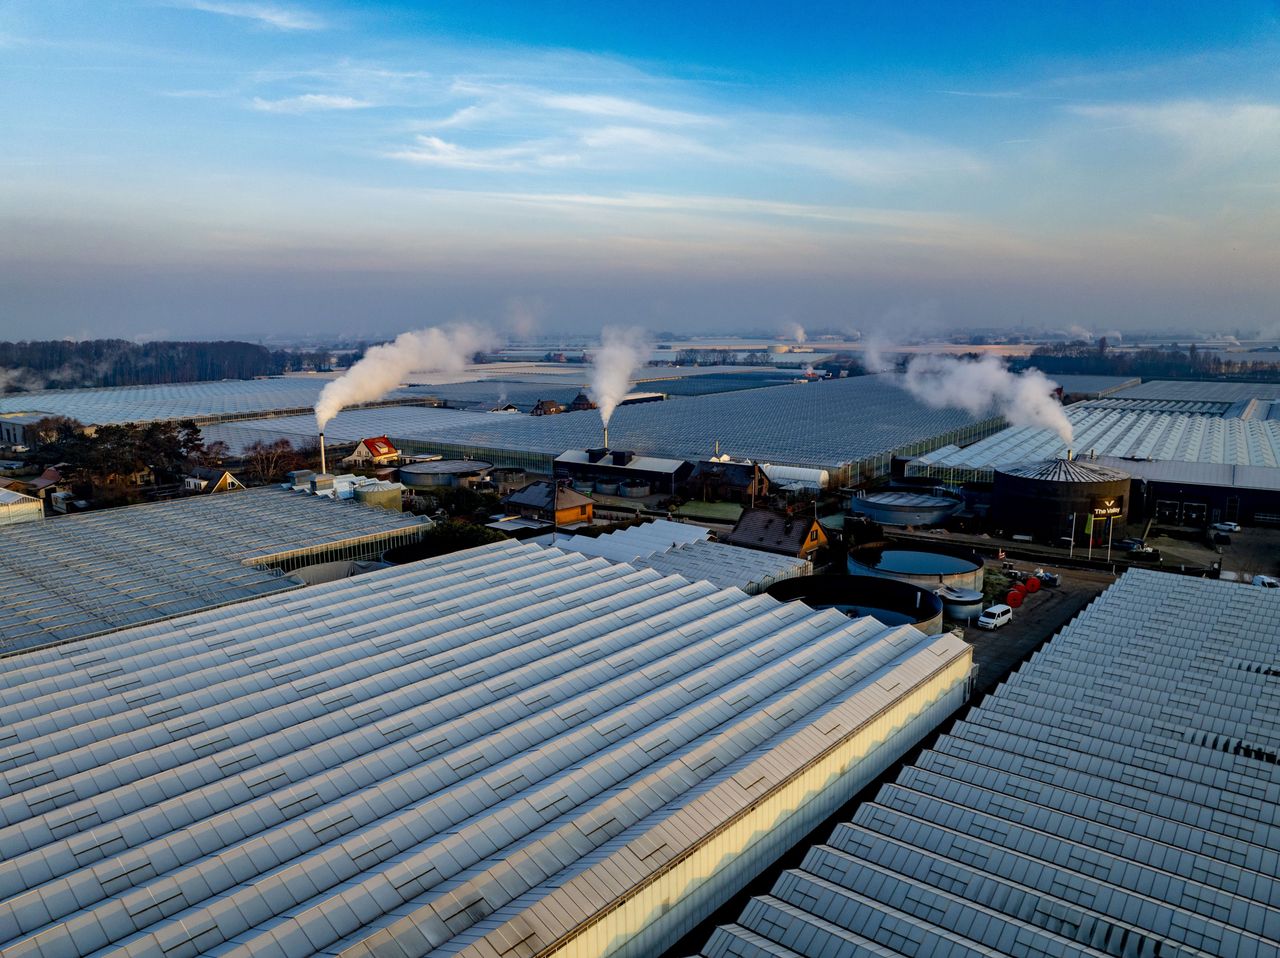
<point>1053,499</point>
<point>509,746</point>
<point>1116,796</point>
<point>1186,469</point>
<point>619,472</point>
<point>73,576</point>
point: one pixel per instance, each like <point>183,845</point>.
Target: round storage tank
<point>607,487</point>
<point>1038,499</point>
<point>928,567</point>
<point>893,603</point>
<point>635,489</point>
<point>442,472</point>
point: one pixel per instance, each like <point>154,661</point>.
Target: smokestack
<point>322,468</point>
<point>606,435</point>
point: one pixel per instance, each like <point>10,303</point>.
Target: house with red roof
<point>377,451</point>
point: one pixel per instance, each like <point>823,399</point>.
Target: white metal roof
<point>433,753</point>
<point>750,570</point>
<point>1117,795</point>
<point>71,576</point>
<point>1201,391</point>
<point>636,542</point>
<point>349,426</point>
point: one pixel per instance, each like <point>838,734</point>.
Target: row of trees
<point>60,364</point>
<point>1168,363</point>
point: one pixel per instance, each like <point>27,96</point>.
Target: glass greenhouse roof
<point>1117,795</point>
<point>73,576</point>
<point>492,746</point>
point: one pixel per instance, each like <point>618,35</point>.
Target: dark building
<point>1049,498</point>
<point>549,502</point>
<point>547,407</point>
<point>770,531</point>
<point>727,480</point>
<point>619,472</point>
<point>581,403</point>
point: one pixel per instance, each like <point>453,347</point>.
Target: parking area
<point>999,652</point>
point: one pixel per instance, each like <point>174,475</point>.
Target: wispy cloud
<point>267,14</point>
<point>433,151</point>
<point>1209,132</point>
<point>309,103</point>
<point>617,108</point>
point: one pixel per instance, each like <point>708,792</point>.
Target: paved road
<point>999,652</point>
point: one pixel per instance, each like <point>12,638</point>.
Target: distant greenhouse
<point>851,427</point>
<point>507,751</point>
<point>203,402</point>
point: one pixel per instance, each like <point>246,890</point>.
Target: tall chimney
<point>606,435</point>
<point>322,468</point>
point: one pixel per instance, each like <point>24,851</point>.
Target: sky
<point>251,168</point>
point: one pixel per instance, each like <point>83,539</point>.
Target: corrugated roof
<point>1064,470</point>
<point>464,752</point>
<point>1117,795</point>
<point>1196,391</point>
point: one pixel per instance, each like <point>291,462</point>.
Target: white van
<point>1266,581</point>
<point>995,617</point>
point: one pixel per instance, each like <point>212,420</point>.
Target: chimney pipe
<point>606,435</point>
<point>322,468</point>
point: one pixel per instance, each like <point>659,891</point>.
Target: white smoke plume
<point>875,353</point>
<point>621,353</point>
<point>796,331</point>
<point>986,385</point>
<point>1112,336</point>
<point>1079,333</point>
<point>385,366</point>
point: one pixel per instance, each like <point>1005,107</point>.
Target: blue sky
<point>248,167</point>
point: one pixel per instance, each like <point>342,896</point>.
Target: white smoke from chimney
<point>796,332</point>
<point>1080,334</point>
<point>621,353</point>
<point>385,366</point>
<point>875,350</point>
<point>986,385</point>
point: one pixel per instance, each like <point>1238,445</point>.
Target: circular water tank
<point>892,603</point>
<point>1040,498</point>
<point>607,487</point>
<point>584,486</point>
<point>635,489</point>
<point>442,472</point>
<point>929,567</point>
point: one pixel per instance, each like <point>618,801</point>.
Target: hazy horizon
<point>209,169</point>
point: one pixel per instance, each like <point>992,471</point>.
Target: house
<point>210,479</point>
<point>376,451</point>
<point>45,484</point>
<point>581,403</point>
<point>547,407</point>
<point>727,480</point>
<point>770,531</point>
<point>505,407</point>
<point>535,501</point>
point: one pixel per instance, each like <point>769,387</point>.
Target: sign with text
<point>1108,507</point>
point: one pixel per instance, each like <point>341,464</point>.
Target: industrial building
<point>899,508</point>
<point>618,472</point>
<point>1115,796</point>
<point>852,428</point>
<point>1055,498</point>
<point>1186,469</point>
<point>507,751</point>
<point>73,576</point>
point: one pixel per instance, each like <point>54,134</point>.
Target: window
<point>813,536</point>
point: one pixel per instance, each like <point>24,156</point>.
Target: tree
<point>269,461</point>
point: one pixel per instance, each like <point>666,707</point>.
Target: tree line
<point>61,364</point>
<point>1157,363</point>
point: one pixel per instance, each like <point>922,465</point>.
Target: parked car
<point>995,617</point>
<point>1225,527</point>
<point>1267,581</point>
<point>1133,545</point>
